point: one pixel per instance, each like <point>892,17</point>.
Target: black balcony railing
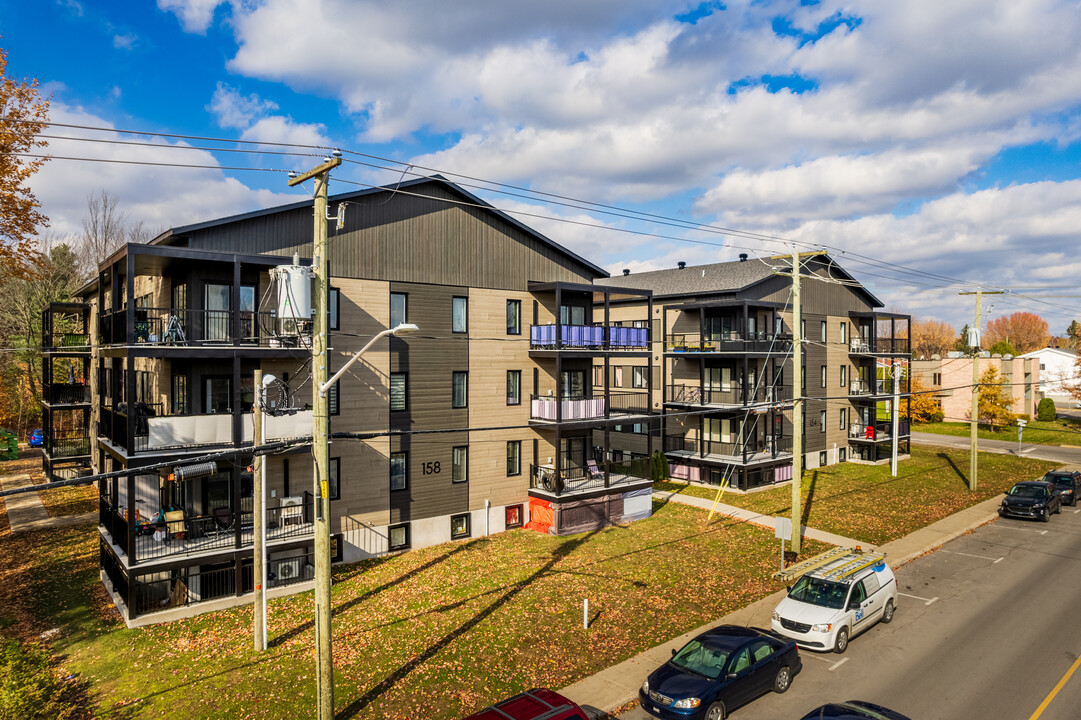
<point>68,342</point>
<point>588,337</point>
<point>879,346</point>
<point>729,342</point>
<point>573,479</point>
<point>66,394</point>
<point>878,431</point>
<point>182,588</point>
<point>734,395</point>
<point>752,449</point>
<point>68,446</point>
<point>178,327</point>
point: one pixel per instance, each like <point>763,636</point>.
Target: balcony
<point>754,450</point>
<point>68,446</point>
<point>729,342</point>
<point>879,346</point>
<point>155,431</point>
<point>732,397</point>
<point>65,394</point>
<point>175,327</point>
<point>575,479</point>
<point>871,389</point>
<point>544,407</point>
<point>587,337</point>
<point>877,432</point>
<point>175,534</point>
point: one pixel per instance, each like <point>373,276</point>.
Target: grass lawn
<point>865,503</point>
<point>433,633</point>
<point>1063,431</point>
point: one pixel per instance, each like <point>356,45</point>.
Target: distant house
<point>1058,372</point>
<point>951,379</point>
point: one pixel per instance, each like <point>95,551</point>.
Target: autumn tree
<point>22,118</point>
<point>1003,347</point>
<point>924,406</point>
<point>932,337</point>
<point>996,399</point>
<point>1024,330</point>
<point>1073,333</point>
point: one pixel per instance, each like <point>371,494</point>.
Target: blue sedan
<point>718,671</point>
<point>854,710</point>
<point>37,438</point>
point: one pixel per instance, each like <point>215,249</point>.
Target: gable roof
<point>726,277</point>
<point>1071,354</point>
<point>173,235</point>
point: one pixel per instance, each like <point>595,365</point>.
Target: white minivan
<point>831,604</point>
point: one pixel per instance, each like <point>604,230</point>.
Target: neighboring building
<point>1058,372</point>
<point>725,334</point>
<point>511,327</point>
<point>951,378</point>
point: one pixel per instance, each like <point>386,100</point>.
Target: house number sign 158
<point>430,468</point>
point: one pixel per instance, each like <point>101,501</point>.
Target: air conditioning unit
<point>289,569</point>
<point>292,501</point>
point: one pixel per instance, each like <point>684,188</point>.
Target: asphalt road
<point>986,627</point>
<point>1039,452</point>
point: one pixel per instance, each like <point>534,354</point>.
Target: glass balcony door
<point>217,395</point>
<point>217,311</point>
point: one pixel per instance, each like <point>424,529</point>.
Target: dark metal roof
<point>697,279</point>
<point>176,234</point>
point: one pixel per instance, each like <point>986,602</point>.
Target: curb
<point>617,685</point>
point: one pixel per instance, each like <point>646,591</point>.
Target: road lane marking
<point>838,664</point>
<point>981,557</point>
<point>1077,511</point>
<point>917,597</point>
<point>1011,527</point>
<point>1051,696</point>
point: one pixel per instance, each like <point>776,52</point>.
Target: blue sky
<point>944,137</point>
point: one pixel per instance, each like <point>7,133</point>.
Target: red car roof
<point>536,704</point>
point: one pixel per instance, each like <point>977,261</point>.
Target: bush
<point>1045,411</point>
<point>660,466</point>
<point>28,688</point>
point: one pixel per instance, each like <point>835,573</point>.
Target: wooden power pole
<point>324,667</point>
<point>973,464</point>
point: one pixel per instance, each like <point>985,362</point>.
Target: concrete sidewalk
<point>755,518</point>
<point>26,512</point>
<point>618,685</point>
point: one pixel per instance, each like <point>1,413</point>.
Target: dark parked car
<point>1031,499</point>
<point>1068,483</point>
<point>718,671</point>
<point>37,438</point>
<point>853,710</point>
<point>536,704</point>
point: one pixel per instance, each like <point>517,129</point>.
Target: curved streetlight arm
<point>402,329</point>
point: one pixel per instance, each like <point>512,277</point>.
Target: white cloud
<point>234,110</point>
<point>251,114</point>
<point>161,197</point>
<point>125,41</point>
<point>194,15</point>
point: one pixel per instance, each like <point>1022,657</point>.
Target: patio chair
<point>223,520</point>
<point>595,473</point>
<point>174,524</point>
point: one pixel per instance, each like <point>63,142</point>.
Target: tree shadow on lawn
<point>303,627</point>
<point>558,554</point>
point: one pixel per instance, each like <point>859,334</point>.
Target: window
<point>598,376</point>
<point>822,421</point>
<point>803,329</point>
<point>459,389</point>
<point>333,407</point>
<point>334,479</point>
<point>844,375</point>
<point>803,376</point>
<point>216,301</point>
<point>936,378</point>
<point>399,537</point>
<point>514,387</point>
<point>514,317</point>
<point>399,477</point>
<point>1043,366</point>
<point>514,458</point>
<point>398,391</point>
<point>218,395</point>
<point>398,309</point>
<point>822,331</point>
<point>842,454</point>
<point>459,464</point>
<point>822,459</point>
<point>180,395</point>
<point>333,299</point>
<point>459,526</point>
<point>514,516</point>
<point>459,314</point>
<point>844,333</point>
<point>619,377</point>
<point>844,418</point>
<point>639,377</point>
<point>822,376</point>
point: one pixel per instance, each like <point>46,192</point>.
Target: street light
<point>401,329</point>
<point>324,676</point>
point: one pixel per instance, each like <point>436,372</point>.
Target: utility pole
<point>259,517</point>
<point>324,664</point>
<point>896,415</point>
<point>797,391</point>
<point>974,334</point>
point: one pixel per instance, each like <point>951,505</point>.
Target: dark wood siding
<point>430,359</point>
<point>398,237</point>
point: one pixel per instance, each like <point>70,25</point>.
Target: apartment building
<point>951,380</point>
<point>490,417</point>
<point>722,346</point>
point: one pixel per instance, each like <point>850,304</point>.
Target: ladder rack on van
<point>802,568</point>
<point>852,561</point>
